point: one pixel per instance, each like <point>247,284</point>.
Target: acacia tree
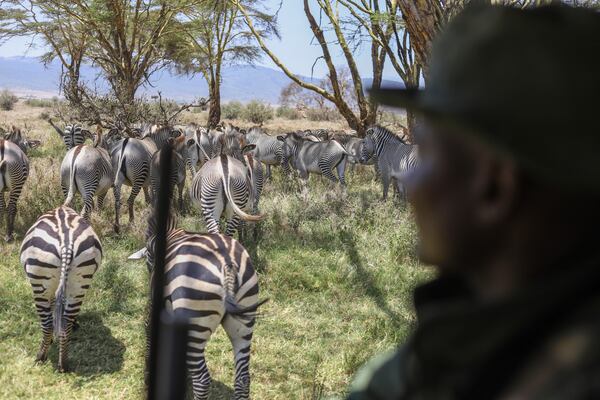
<point>64,37</point>
<point>213,36</point>
<point>123,37</point>
<point>366,111</point>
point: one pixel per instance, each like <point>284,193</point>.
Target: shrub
<point>322,114</point>
<point>288,113</point>
<point>7,100</point>
<point>42,103</point>
<point>258,112</point>
<point>232,110</point>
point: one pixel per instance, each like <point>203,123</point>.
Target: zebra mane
<point>378,132</point>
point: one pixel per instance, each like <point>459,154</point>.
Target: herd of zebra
<point>209,277</point>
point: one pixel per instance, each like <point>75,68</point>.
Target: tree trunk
<point>214,108</point>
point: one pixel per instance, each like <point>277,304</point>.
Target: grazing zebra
<point>131,160</point>
<point>268,150</point>
<point>14,169</point>
<point>307,156</point>
<point>73,135</point>
<point>209,280</point>
<point>178,164</point>
<point>395,158</point>
<point>60,254</point>
<point>223,184</point>
<point>87,169</point>
<point>15,136</point>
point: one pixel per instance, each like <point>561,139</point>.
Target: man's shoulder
<point>380,378</point>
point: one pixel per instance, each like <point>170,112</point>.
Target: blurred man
<point>507,201</point>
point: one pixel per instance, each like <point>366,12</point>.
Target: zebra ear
<point>281,138</point>
<point>191,142</point>
<point>247,148</point>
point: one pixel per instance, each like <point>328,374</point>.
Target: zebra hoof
<point>41,357</point>
<point>62,368</point>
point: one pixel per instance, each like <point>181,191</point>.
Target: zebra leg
<point>268,171</point>
<point>135,190</point>
<point>326,168</point>
<point>147,197</point>
<point>63,344</point>
<point>341,170</point>
<point>44,309</point>
<point>239,331</point>
<point>100,201</point>
<point>12,212</point>
<point>117,193</point>
<point>180,189</point>
<point>88,201</point>
<point>198,371</point>
<point>232,225</point>
<point>385,179</point>
<point>2,206</point>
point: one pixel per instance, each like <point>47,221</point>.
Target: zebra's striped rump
<point>210,281</point>
<point>60,254</point>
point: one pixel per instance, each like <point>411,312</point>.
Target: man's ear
<point>496,187</point>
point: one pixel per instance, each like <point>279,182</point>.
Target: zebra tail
<point>230,284</point>
<point>227,189</point>
<point>59,307</point>
<point>71,192</point>
<point>121,158</point>
<point>2,171</point>
<point>341,146</point>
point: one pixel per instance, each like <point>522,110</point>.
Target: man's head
<point>509,139</point>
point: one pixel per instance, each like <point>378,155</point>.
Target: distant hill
<point>27,76</point>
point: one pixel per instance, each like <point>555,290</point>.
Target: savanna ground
<point>338,270</point>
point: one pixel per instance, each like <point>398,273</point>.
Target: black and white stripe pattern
<point>87,169</point>
<point>210,280</point>
<point>268,150</point>
<point>14,170</point>
<point>73,135</point>
<point>395,158</point>
<point>307,157</point>
<point>223,184</point>
<point>60,254</point>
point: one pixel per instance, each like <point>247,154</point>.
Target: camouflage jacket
<point>542,343</point>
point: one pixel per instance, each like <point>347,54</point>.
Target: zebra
<point>131,160</point>
<point>14,170</point>
<point>201,150</point>
<point>73,135</point>
<point>60,254</point>
<point>16,136</point>
<point>87,169</point>
<point>317,157</point>
<point>209,280</point>
<point>395,158</point>
<point>223,184</point>
<point>268,150</point>
<point>178,164</point>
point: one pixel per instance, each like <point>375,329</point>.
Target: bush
<point>7,100</point>
<point>232,110</point>
<point>42,103</point>
<point>322,114</point>
<point>288,113</point>
<point>258,112</point>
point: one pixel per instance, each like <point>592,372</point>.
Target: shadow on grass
<point>93,350</point>
<point>365,280</point>
<point>218,391</point>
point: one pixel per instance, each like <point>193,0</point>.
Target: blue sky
<point>294,48</point>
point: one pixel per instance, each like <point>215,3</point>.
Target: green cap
<point>526,81</point>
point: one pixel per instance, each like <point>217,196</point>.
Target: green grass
<point>338,269</point>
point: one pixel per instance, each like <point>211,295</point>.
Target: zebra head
<point>234,144</point>
<point>367,147</point>
<point>291,144</point>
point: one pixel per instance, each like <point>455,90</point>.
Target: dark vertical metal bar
<point>161,210</point>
